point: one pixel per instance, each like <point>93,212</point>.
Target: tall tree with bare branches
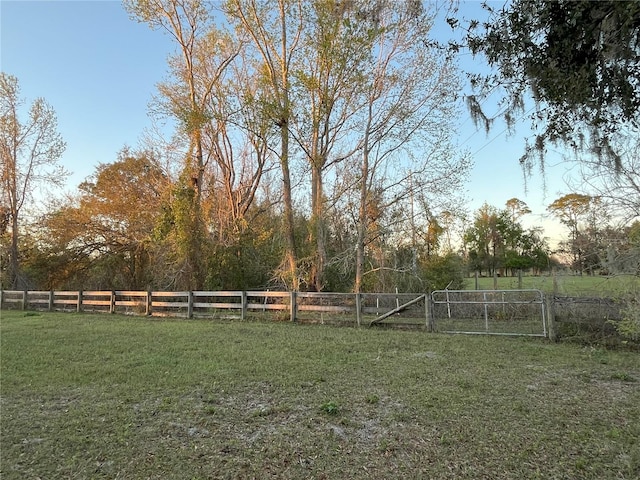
<point>204,54</point>
<point>274,29</point>
<point>30,151</point>
<point>404,136</point>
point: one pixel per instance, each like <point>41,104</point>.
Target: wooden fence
<point>291,306</point>
<point>564,319</point>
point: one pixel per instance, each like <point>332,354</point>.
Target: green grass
<point>100,396</point>
<point>570,285</point>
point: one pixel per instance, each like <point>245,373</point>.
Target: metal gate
<point>490,312</point>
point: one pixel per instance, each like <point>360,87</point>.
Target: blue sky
<point>98,69</point>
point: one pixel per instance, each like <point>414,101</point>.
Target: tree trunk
<point>362,220</point>
<point>289,225</point>
<point>318,225</point>
<point>14,260</point>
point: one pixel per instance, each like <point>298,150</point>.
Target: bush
<point>440,272</point>
<point>629,326</point>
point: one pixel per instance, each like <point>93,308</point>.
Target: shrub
<point>629,326</point>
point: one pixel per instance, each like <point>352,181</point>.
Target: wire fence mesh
<point>506,312</point>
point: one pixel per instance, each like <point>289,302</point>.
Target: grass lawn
<point>569,285</point>
<point>100,396</point>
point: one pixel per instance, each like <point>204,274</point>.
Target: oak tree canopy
<point>578,60</point>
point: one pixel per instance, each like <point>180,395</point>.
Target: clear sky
<point>98,69</point>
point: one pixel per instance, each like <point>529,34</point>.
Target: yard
<point>569,285</point>
<point>112,396</point>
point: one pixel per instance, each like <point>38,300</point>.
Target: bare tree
<point>204,55</point>
<point>237,137</point>
<point>405,119</point>
<point>274,30</point>
<point>616,184</point>
<point>328,85</point>
<point>585,217</point>
<point>30,151</point>
<point>186,21</point>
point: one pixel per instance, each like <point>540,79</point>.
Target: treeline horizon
<point>118,231</point>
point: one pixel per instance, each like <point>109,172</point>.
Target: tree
<point>404,122</point>
<point>486,239</point>
<point>517,208</point>
<point>497,240</point>
<point>192,96</point>
<point>619,186</point>
<point>578,60</point>
<point>238,137</point>
<point>106,233</point>
<point>30,151</point>
<point>586,217</point>
<point>328,77</point>
<point>274,30</point>
<point>623,250</point>
<point>185,21</point>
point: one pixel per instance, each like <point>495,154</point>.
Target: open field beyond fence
<point>95,396</point>
<point>570,285</point>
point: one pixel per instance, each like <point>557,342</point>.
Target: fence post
<point>79,304</point>
<point>112,302</point>
<point>51,297</point>
<point>189,304</point>
<point>147,310</point>
<point>243,305</point>
<point>292,306</point>
<point>24,299</point>
<point>486,315</point>
<point>1,299</point>
<point>358,308</point>
<point>427,311</point>
<point>551,318</point>
<point>448,305</point>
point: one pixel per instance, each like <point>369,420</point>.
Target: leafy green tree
<point>497,241</point>
<point>485,240</point>
<point>29,154</point>
<point>178,236</point>
<point>443,271</point>
<point>250,260</point>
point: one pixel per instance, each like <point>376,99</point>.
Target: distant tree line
<point>497,244</point>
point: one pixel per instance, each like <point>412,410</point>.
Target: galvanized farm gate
<point>490,312</point>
